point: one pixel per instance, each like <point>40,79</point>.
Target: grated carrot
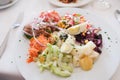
<point>35,47</point>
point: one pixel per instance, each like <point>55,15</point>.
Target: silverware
<point>18,20</point>
<point>117,15</point>
<point>14,26</point>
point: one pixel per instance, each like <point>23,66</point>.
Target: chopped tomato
<point>50,16</point>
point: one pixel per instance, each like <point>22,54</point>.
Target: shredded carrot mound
<point>36,48</point>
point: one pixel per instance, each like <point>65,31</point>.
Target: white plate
<point>79,3</point>
<point>103,69</point>
<point>8,5</point>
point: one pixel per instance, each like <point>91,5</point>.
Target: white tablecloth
<point>8,69</point>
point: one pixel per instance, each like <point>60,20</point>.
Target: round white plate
<point>8,5</point>
<point>79,3</point>
<point>103,69</point>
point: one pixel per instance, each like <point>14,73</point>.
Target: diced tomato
<point>29,60</point>
<point>88,26</point>
<point>50,16</point>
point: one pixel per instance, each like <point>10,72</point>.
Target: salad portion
<point>60,43</point>
<point>67,1</point>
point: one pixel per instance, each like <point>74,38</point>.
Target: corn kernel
<point>54,58</point>
<point>83,33</point>
<point>42,59</point>
<point>86,41</point>
<point>61,24</point>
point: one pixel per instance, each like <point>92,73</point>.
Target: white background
<point>8,69</point>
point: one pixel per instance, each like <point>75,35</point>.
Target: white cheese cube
<point>94,55</point>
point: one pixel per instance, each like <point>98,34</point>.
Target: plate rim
<point>8,5</point>
<point>88,11</point>
<point>69,5</point>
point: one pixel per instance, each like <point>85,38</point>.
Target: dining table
<point>8,67</point>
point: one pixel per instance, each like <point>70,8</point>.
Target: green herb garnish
<point>109,38</point>
<point>28,36</point>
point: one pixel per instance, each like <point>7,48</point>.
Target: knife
<point>16,24</point>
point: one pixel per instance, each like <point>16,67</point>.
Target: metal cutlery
<point>18,20</point>
<point>14,26</point>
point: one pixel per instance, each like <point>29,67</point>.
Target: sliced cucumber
<point>58,71</point>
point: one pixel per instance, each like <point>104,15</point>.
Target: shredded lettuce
<point>55,61</point>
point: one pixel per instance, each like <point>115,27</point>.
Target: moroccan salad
<point>61,43</point>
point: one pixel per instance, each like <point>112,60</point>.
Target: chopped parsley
<point>108,38</point>
<point>19,40</point>
<point>27,36</point>
<point>105,32</point>
<point>19,56</point>
<point>49,31</point>
<point>55,42</point>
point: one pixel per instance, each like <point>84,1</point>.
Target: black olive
<point>63,36</point>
